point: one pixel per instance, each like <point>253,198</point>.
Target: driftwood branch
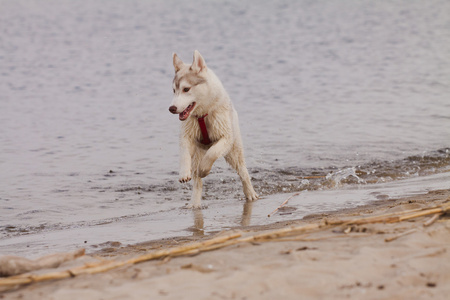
<point>431,220</point>
<point>394,217</point>
<point>392,238</point>
<point>15,265</point>
<point>11,282</point>
<point>282,204</point>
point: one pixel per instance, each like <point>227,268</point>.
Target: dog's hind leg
<point>235,158</point>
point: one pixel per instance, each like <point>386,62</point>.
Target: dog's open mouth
<point>185,113</point>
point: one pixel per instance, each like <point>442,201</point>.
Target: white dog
<point>210,126</point>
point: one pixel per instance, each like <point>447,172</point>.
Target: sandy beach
<point>403,260</point>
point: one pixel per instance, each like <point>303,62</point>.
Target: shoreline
<point>112,249</point>
<point>377,261</point>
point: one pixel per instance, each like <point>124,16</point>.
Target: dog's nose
<point>173,109</point>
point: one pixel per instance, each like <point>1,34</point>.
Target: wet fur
<point>196,159</point>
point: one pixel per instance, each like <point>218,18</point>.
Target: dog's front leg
<point>186,152</point>
<point>219,149</point>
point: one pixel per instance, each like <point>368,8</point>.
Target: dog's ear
<point>177,63</point>
<point>198,64</point>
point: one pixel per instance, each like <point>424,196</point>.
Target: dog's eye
<point>174,91</point>
<point>186,90</point>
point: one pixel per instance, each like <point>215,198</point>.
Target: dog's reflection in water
<point>199,223</point>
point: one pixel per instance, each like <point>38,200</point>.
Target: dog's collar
<point>201,123</point>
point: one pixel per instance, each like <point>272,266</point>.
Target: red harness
<point>201,123</point>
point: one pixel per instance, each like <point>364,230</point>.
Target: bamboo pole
<point>184,248</point>
<point>269,235</point>
<point>10,282</point>
<point>394,217</point>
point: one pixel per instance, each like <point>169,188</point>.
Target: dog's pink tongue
<point>185,113</point>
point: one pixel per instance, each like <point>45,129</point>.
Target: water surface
<point>336,99</point>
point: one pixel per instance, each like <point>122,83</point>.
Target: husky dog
<point>210,126</point>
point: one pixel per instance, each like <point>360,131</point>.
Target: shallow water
<point>339,99</point>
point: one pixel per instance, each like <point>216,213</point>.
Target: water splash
<point>345,176</point>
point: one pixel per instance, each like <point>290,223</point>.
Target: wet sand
<point>374,261</point>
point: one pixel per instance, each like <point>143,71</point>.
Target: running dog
<point>210,126</point>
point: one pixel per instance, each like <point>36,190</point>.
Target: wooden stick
<point>306,239</point>
<point>282,204</point>
<point>184,248</point>
<point>390,239</point>
<point>431,220</point>
<point>269,235</point>
<point>425,213</point>
<point>394,217</point>
<point>371,219</point>
<point>10,282</point>
<point>99,269</point>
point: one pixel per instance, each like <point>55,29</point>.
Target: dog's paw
<point>194,206</point>
<point>251,195</point>
<point>185,173</point>
<point>184,179</point>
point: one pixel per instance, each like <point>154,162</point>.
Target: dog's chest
<point>213,128</point>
